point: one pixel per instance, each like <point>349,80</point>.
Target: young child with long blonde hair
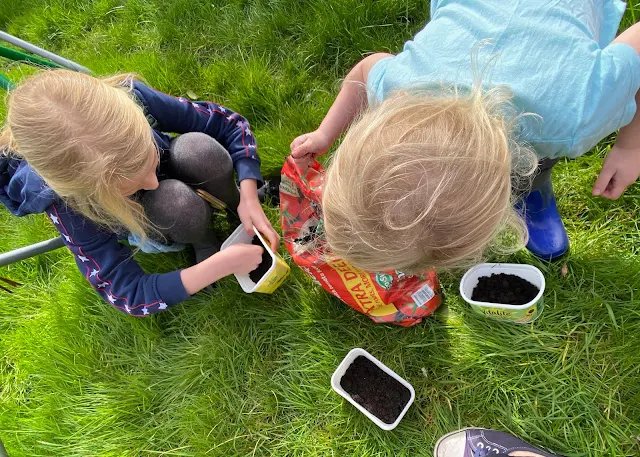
<point>428,172</point>
<point>96,156</point>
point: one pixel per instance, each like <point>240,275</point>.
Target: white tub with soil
<point>342,369</point>
<point>520,314</point>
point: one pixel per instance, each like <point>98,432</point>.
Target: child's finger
<point>248,225</point>
<point>257,250</point>
<point>605,177</point>
<point>298,141</point>
<point>304,164</point>
<point>274,239</point>
<point>301,164</point>
<point>615,190</point>
<point>302,150</point>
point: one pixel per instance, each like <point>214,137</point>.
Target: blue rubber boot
<point>547,236</point>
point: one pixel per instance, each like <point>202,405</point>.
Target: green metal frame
<point>5,83</point>
<point>18,56</point>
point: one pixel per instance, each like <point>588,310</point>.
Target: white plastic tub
<point>342,368</point>
<point>520,314</point>
<point>272,278</point>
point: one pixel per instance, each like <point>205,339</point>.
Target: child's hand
<point>242,258</point>
<point>252,215</point>
<point>620,169</point>
<point>236,259</point>
<point>307,147</point>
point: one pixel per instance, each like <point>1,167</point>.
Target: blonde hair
<point>425,181</point>
<point>85,137</point>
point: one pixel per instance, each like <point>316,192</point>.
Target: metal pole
<point>43,53</point>
<point>33,250</point>
<point>18,56</point>
<point>3,451</point>
<point>6,84</point>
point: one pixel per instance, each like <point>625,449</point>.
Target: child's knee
<point>177,211</point>
<point>198,153</point>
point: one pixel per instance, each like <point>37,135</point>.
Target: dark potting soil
<point>379,393</point>
<point>257,274</point>
<point>504,288</point>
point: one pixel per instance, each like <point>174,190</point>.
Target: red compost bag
<point>389,296</point>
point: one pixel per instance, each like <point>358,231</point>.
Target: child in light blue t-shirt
<point>424,176</point>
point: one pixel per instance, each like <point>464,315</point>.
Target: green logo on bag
<point>384,280</point>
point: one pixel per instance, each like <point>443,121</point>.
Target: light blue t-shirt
<point>554,55</point>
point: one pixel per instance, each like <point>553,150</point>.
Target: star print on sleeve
<point>108,268</point>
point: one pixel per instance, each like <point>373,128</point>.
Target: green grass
<point>235,374</point>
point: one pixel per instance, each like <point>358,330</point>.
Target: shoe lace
<point>486,452</point>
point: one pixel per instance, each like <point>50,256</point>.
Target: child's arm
<point>238,259</point>
<point>621,167</point>
<point>109,267</point>
<point>350,101</point>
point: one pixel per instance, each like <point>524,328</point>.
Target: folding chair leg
<point>3,451</point>
<point>6,84</point>
<point>18,56</point>
<point>43,53</point>
<point>17,255</point>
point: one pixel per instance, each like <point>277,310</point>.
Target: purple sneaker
<point>480,442</point>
